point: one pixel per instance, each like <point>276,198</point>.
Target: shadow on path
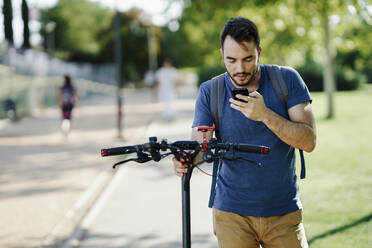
<point>146,240</point>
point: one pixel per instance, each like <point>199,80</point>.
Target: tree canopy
<point>292,33</point>
<point>77,25</point>
<point>289,29</point>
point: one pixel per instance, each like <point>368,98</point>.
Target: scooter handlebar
<point>118,150</point>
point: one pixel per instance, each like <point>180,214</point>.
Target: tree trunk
<point>328,73</point>
<point>8,18</point>
<point>26,30</point>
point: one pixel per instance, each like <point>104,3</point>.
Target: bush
<point>346,79</point>
<point>368,73</point>
<point>312,74</point>
<point>206,73</point>
<point>355,61</point>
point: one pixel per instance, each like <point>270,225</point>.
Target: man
<point>166,78</point>
<point>253,205</point>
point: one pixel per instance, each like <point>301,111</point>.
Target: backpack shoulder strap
<point>278,83</point>
<point>217,96</point>
<point>281,90</point>
<point>216,100</point>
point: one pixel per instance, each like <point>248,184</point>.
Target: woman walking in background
<point>67,99</point>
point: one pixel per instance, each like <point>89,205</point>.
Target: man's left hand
<point>254,108</point>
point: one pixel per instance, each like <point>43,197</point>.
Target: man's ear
<point>259,54</point>
<point>221,51</point>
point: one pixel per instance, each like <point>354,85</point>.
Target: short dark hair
<point>167,60</point>
<point>241,29</point>
<point>68,82</point>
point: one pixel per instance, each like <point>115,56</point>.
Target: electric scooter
<point>185,151</point>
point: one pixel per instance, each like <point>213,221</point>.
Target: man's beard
<point>252,78</point>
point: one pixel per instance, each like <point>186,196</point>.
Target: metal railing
<point>32,62</point>
<point>32,93</point>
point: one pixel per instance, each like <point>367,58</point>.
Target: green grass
<point>337,192</point>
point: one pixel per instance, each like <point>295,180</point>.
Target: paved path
<point>142,205</point>
<point>48,183</point>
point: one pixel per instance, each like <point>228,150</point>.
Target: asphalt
<point>47,183</point>
<point>51,188</point>
<point>141,207</point>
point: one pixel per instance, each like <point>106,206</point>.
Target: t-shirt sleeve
<point>202,114</point>
<point>297,89</point>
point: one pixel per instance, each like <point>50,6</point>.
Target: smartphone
<point>241,91</point>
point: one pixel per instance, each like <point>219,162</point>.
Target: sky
<point>154,8</point>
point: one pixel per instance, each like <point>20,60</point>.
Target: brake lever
<point>123,162</point>
<point>250,161</point>
<point>141,158</point>
<point>165,155</point>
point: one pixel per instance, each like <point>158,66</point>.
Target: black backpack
<point>216,101</point>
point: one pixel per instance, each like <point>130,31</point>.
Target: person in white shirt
<point>166,79</point>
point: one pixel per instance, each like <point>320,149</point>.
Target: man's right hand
<point>179,168</point>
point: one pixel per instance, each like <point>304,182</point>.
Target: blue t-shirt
<point>244,188</point>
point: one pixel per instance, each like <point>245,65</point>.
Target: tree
<point>318,12</point>
<point>84,33</point>
<point>333,21</point>
<point>329,76</point>
<point>8,18</point>
<point>26,30</point>
<point>291,31</point>
<point>77,25</point>
<point>134,44</point>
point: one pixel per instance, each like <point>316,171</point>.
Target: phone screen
<point>241,91</point>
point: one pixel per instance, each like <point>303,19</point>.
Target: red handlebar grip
<point>265,150</point>
<point>105,152</point>
<point>205,128</point>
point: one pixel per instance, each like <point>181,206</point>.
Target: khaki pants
<point>239,231</point>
